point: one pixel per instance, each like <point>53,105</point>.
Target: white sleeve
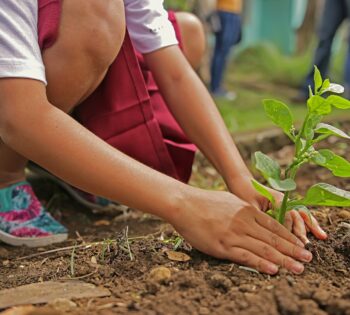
<point>148,24</point>
<point>20,55</point>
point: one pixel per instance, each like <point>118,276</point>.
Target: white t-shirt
<point>20,55</point>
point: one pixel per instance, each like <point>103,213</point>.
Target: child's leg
<point>11,166</point>
<point>75,65</point>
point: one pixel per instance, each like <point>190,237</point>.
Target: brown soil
<point>202,285</point>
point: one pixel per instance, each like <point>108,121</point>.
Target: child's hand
<point>299,222</point>
<point>224,226</point>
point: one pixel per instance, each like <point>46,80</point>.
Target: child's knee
<point>104,30</point>
<point>193,37</point>
<point>90,36</point>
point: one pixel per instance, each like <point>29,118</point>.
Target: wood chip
<point>102,223</point>
<point>177,256</point>
<point>45,292</point>
<point>94,260</point>
<point>30,310</point>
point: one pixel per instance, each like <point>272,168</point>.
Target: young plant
<point>312,132</point>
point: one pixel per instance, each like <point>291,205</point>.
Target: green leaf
<point>310,125</point>
<point>335,163</point>
<point>319,105</point>
<point>317,79</point>
<point>309,130</point>
<point>296,207</point>
<point>300,145</point>
<point>319,159</point>
<point>324,195</point>
<point>264,192</point>
<point>338,102</point>
<point>326,84</point>
<point>267,166</point>
<point>331,131</point>
<point>271,213</point>
<point>282,185</point>
<point>280,114</point>
<point>310,92</point>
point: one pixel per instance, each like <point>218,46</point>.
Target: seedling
<point>312,132</point>
<point>176,242</point>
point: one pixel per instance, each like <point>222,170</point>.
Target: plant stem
<point>292,170</point>
<point>283,209</point>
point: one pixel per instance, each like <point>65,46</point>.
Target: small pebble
<point>5,263</point>
<point>290,280</point>
<point>247,288</point>
<point>283,272</point>
<point>94,260</point>
<point>160,275</point>
<point>344,214</point>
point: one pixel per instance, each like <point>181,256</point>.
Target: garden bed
<point>201,285</point>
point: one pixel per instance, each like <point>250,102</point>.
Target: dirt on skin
<point>144,280</point>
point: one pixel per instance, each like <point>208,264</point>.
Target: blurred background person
<point>334,14</point>
<point>227,34</point>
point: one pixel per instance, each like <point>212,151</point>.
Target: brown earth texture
<point>149,270</point>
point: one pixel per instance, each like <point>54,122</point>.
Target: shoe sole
<point>32,241</point>
<point>112,208</point>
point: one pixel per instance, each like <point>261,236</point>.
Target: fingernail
<point>272,269</point>
<point>297,268</point>
<point>323,233</point>
<point>306,256</point>
<point>305,240</point>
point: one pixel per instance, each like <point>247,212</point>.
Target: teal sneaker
<point>24,221</point>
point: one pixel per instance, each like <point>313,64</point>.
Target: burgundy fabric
<point>48,22</point>
<point>127,110</point>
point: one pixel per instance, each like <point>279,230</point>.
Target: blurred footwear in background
<point>228,95</point>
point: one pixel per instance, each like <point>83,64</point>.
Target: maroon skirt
<point>127,110</point>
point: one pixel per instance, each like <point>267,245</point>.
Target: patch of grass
<point>261,72</point>
<point>246,113</point>
<point>266,63</point>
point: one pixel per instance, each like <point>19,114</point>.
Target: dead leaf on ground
<point>177,256</point>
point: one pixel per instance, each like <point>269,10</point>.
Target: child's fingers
<point>299,228</point>
<point>288,221</point>
<point>313,225</point>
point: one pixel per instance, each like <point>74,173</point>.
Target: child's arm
<point>217,223</point>
<point>194,109</point>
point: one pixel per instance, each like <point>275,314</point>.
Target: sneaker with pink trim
<point>24,221</point>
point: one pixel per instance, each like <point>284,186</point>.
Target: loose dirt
<point>132,260</point>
